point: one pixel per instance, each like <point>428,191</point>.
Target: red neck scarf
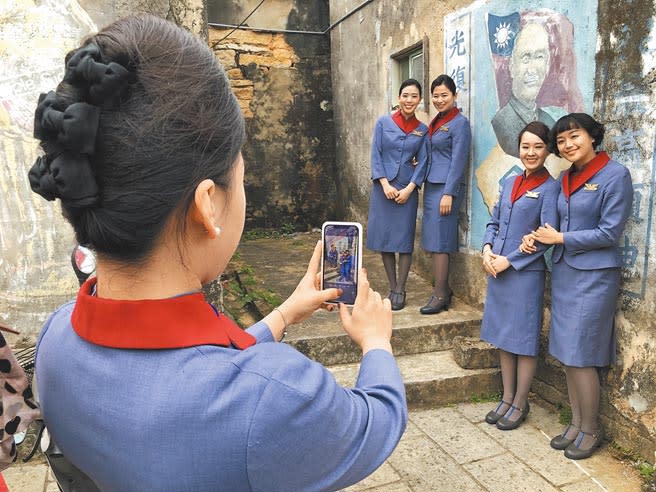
<point>406,125</point>
<point>440,121</point>
<point>571,183</point>
<point>524,183</point>
<point>176,322</point>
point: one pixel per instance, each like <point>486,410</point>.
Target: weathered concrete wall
<point>283,84</point>
<point>35,241</point>
<point>605,65</point>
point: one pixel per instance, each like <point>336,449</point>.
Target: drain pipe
<point>292,31</point>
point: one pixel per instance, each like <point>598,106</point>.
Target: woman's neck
<point>161,276</point>
<point>585,160</point>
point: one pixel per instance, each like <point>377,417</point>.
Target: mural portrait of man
<point>529,64</point>
<point>535,63</point>
<point>534,77</point>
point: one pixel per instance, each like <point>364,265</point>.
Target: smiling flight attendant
<point>444,191</point>
<point>594,205</point>
<point>515,288</point>
<point>399,158</point>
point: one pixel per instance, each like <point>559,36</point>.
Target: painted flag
<point>502,31</point>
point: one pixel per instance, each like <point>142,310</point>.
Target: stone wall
<point>35,241</point>
<point>614,64</point>
<point>283,85</point>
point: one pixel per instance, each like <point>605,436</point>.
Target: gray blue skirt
<point>512,317</point>
<point>390,226</point>
<point>439,233</point>
<point>583,304</point>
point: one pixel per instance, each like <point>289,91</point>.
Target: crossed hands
<point>493,263</point>
<point>399,196</point>
<point>545,234</point>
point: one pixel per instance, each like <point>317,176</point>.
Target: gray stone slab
<point>586,485</point>
<point>461,439</point>
<point>383,477</point>
<point>531,446</point>
<point>425,467</point>
<point>431,378</point>
<point>505,472</point>
<point>475,412</point>
<point>392,487</point>
<point>26,478</point>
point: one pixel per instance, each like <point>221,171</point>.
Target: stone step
<point>433,379</point>
<point>323,339</point>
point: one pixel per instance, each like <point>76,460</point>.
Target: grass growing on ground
<point>486,398</point>
<point>647,470</point>
<point>564,415</point>
<point>239,295</point>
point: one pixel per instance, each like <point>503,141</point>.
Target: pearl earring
<point>217,230</point>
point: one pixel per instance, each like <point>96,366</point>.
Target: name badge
<point>591,186</point>
<point>418,133</point>
<point>532,194</point>
<point>444,129</point>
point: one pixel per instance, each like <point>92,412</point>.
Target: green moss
<point>486,398</point>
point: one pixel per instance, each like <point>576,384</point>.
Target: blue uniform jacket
<point>212,418</point>
<point>392,153</point>
<point>449,154</point>
<point>594,218</point>
<point>510,222</point>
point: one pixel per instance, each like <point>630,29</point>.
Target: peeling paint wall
<point>35,241</point>
<point>605,65</point>
<point>283,84</point>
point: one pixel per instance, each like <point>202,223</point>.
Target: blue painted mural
<point>535,61</point>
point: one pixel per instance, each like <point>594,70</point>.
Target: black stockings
<point>583,389</point>
<point>517,373</point>
<point>397,284</point>
<point>441,274</point>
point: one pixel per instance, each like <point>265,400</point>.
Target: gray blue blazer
<point>510,222</point>
<point>593,219</point>
<point>392,152</point>
<point>449,154</point>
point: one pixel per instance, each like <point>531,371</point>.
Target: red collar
<point>406,125</point>
<point>438,122</point>
<point>176,322</point>
<point>570,186</point>
<point>523,184</point>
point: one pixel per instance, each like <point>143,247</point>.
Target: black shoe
<point>573,452</point>
<point>437,304</point>
<point>492,416</point>
<point>560,442</point>
<point>505,424</point>
<point>398,300</point>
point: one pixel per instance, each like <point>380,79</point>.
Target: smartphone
<point>341,254</point>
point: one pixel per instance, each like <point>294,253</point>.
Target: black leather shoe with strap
<point>575,452</point>
<point>494,415</point>
<point>561,441</point>
<point>504,423</point>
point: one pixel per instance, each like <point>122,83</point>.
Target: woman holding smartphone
<point>153,183</point>
<point>399,157</point>
<point>593,205</point>
<point>444,191</point>
<point>512,318</point>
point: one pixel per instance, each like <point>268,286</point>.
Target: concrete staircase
<point>422,344</point>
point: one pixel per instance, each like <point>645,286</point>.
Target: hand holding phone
<point>369,324</point>
<point>341,259</point>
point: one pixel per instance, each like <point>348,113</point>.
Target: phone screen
<point>341,259</point>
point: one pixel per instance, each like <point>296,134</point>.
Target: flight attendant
<point>512,318</point>
<point>594,205</point>
<point>399,159</point>
<point>450,140</point>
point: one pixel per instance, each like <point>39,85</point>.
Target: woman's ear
<point>203,209</point>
